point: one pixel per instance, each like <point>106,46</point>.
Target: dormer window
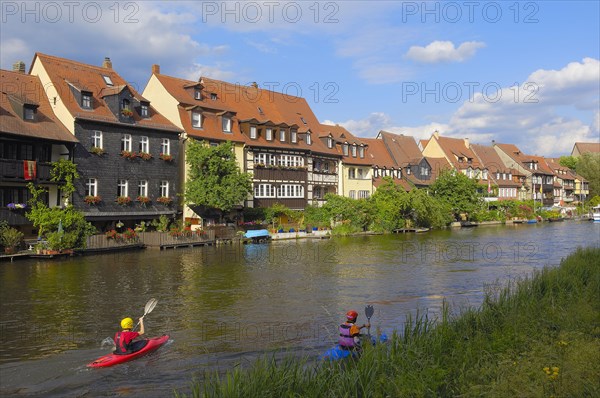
<point>294,136</point>
<point>269,134</point>
<point>226,123</point>
<point>196,120</point>
<point>308,139</point>
<point>213,96</point>
<point>125,104</point>
<point>345,149</point>
<point>282,135</point>
<point>198,94</point>
<point>86,100</point>
<point>144,110</point>
<point>107,80</point>
<point>253,132</point>
<point>329,142</point>
<point>353,150</point>
<point>28,113</point>
<point>361,152</point>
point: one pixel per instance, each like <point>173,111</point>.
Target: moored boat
<point>596,213</point>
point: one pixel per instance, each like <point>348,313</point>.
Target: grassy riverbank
<point>539,337</point>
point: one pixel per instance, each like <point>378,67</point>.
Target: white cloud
<point>544,120</point>
<point>444,51</point>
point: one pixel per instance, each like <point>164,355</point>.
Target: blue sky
<point>516,72</point>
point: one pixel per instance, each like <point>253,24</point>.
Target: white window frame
<point>361,151</point>
<point>294,136</point>
<point>352,194</point>
<point>144,144</point>
<point>308,139</point>
<point>282,135</point>
<point>86,101</point>
<point>424,171</point>
<point>226,124</point>
<point>290,191</point>
<point>97,139</point>
<point>91,187</point>
<point>28,113</point>
<point>143,188</point>
<point>253,132</point>
<point>123,188</point>
<point>165,146</point>
<point>345,149</point>
<point>363,194</point>
<point>352,173</point>
<point>264,191</point>
<point>197,120</point>
<point>197,94</point>
<point>164,188</point>
<point>269,134</point>
<point>126,142</point>
<point>144,110</point>
<point>353,150</point>
<point>329,142</point>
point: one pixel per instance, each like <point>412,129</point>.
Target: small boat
<point>596,213</point>
<point>336,353</point>
<point>468,224</point>
<point>532,221</point>
<point>258,235</point>
<point>556,219</point>
<point>113,359</point>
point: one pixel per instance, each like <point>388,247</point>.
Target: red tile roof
<point>455,148</point>
<point>588,147</point>
<point>378,153</point>
<point>83,77</point>
<point>522,159</point>
<point>403,149</point>
<point>18,89</point>
<point>340,136</point>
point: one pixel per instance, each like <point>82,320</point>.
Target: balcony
<point>277,174</point>
<point>12,170</point>
<point>292,203</point>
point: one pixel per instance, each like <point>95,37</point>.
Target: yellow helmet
<point>127,323</point>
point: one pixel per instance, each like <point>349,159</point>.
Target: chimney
<point>466,142</point>
<point>254,84</point>
<point>436,134</point>
<point>19,66</point>
<point>107,64</point>
<point>156,69</point>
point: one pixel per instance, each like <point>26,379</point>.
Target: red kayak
<point>112,359</point>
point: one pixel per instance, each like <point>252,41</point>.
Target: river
<point>225,306</point>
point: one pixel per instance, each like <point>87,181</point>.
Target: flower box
<point>144,200</point>
<point>123,200</point>
<point>16,206</point>
<point>97,150</point>
<point>126,112</point>
<point>145,155</point>
<point>92,200</point>
<point>128,154</point>
<point>164,200</point>
<point>166,157</point>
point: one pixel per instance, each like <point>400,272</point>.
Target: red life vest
<point>346,340</point>
<point>123,341</point>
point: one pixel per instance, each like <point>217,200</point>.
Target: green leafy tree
<point>568,161</point>
<point>588,166</point>
<point>215,180</point>
<point>389,205</point>
<point>356,214</point>
<point>427,211</point>
<point>457,191</point>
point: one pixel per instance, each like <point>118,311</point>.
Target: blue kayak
<point>336,353</point>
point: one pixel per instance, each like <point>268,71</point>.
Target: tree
<point>389,204</point>
<point>457,191</point>
<point>588,166</point>
<point>215,180</point>
<point>568,161</point>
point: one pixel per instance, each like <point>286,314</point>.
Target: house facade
<point>31,138</point>
<point>504,183</point>
<point>126,152</point>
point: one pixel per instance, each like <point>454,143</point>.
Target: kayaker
<point>350,332</point>
<point>124,339</point>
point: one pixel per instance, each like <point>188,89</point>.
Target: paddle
<point>148,309</point>
<point>369,310</point>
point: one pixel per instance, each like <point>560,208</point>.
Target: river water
<point>225,306</point>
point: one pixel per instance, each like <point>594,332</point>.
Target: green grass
<point>549,320</point>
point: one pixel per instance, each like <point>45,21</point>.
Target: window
<point>197,94</point>
<point>125,104</point>
<point>424,171</point>
<point>213,96</point>
<point>264,191</point>
<point>352,172</point>
<point>361,152</point>
<point>352,194</point>
<point>290,191</point>
<point>308,139</point>
<point>165,147</point>
<point>143,188</point>
<point>91,187</point>
<point>253,133</point>
<point>107,80</point>
<point>144,110</point>
<point>282,135</point>
<point>264,158</point>
<point>260,111</point>
<point>86,100</point>
<point>123,188</point>
<point>196,120</point>
<point>294,136</point>
<point>408,170</point>
<point>29,113</point>
<point>164,189</point>
<point>485,174</point>
<point>269,134</point>
<point>126,142</point>
<point>345,149</point>
<point>375,172</point>
<point>360,174</point>
<point>363,194</point>
<point>329,142</point>
<point>97,139</point>
<point>226,124</point>
<point>353,150</point>
<point>145,144</point>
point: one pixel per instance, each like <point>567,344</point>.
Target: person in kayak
<point>124,339</point>
<point>350,332</point>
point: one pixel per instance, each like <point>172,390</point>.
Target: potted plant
<point>165,200</point>
<point>126,112</point>
<point>144,200</point>
<point>96,150</point>
<point>10,238</point>
<point>128,154</point>
<point>166,157</point>
<point>16,206</point>
<point>123,200</point>
<point>145,155</point>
